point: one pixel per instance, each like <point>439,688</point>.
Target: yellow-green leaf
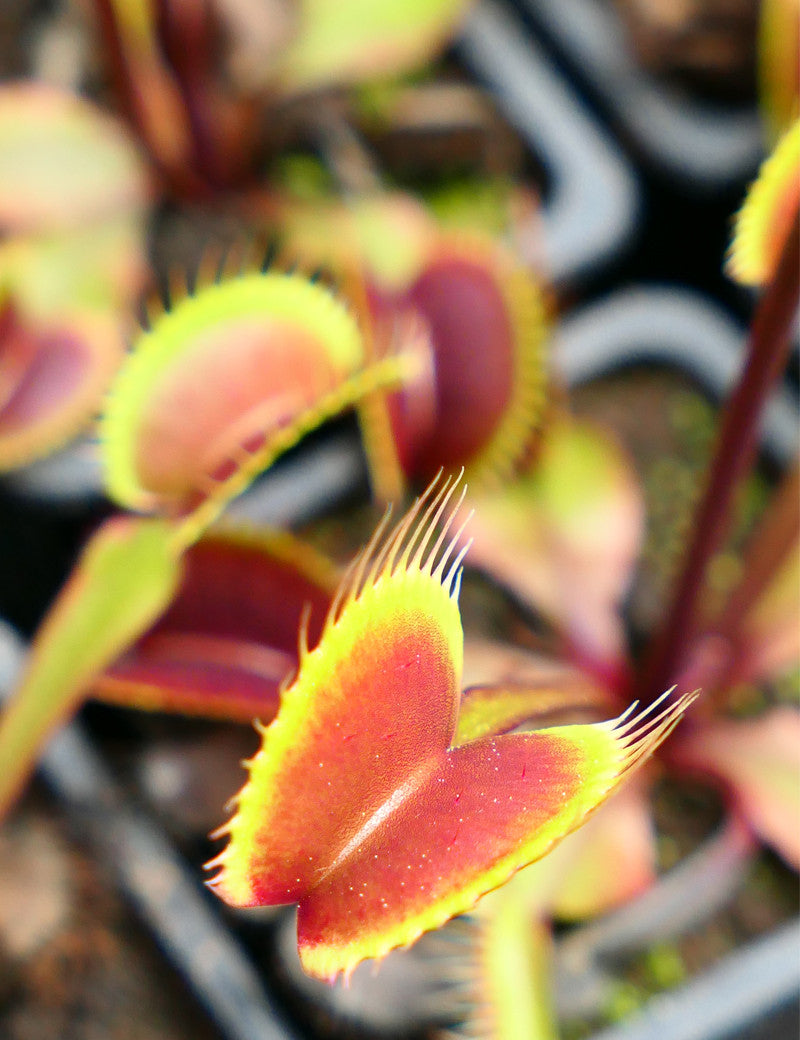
<point>124,579</point>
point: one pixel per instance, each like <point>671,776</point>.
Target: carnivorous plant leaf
<point>124,578</point>
<point>765,220</point>
<point>360,807</point>
<point>52,376</point>
<point>488,328</point>
<point>485,316</point>
<point>360,40</point>
<point>63,162</point>
<point>224,382</point>
<point>757,759</point>
<point>228,640</point>
<point>565,535</point>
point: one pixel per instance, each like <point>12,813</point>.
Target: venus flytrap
<point>483,402</point>
<point>73,191</point>
<point>764,222</point>
<point>124,578</point>
<point>453,801</point>
<point>217,388</point>
<point>227,642</point>
<point>435,823</point>
<point>256,361</point>
<point>198,82</point>
<point>335,934</point>
<point>750,640</point>
<point>581,512</point>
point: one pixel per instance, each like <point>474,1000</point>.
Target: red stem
<point>134,103</point>
<point>766,354</point>
<point>185,33</point>
<point>125,87</point>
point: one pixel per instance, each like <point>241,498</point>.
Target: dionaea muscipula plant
<point>447,814</point>
<point>487,321</point>
<point>765,251</point>
<point>449,803</point>
<point>485,316</point>
<point>728,650</point>
<point>435,821</point>
<point>195,81</point>
<point>73,193</point>
<point>764,222</point>
<point>228,640</point>
<point>221,383</point>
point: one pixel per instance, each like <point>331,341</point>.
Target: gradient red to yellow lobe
<point>263,375</point>
<point>370,705</point>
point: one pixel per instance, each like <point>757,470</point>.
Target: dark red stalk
<point>185,33</point>
<point>134,104</point>
<point>125,88</point>
<point>765,357</point>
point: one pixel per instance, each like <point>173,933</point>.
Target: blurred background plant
<point>154,149</point>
